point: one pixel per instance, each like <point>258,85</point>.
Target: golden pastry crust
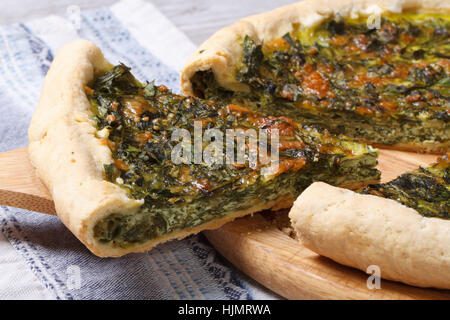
<point>362,230</point>
<point>64,148</point>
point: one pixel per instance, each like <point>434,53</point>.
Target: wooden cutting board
<point>259,245</point>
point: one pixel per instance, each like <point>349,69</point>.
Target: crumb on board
<point>280,218</point>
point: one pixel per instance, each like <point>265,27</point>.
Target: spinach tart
<point>376,70</point>
<point>402,226</point>
<point>103,144</point>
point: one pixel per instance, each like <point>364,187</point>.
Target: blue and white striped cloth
<point>40,258</point>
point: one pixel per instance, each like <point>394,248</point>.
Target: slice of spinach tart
<point>426,190</point>
<point>401,226</point>
<point>121,157</point>
<point>371,72</point>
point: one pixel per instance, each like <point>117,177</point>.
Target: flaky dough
<point>363,230</point>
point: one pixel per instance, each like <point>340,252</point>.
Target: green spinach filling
<point>136,121</point>
<point>427,190</point>
<point>386,85</point>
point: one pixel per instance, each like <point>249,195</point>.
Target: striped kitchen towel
<point>40,258</point>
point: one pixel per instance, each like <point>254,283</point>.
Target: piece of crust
<point>223,51</point>
<point>65,151</point>
<point>363,230</point>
